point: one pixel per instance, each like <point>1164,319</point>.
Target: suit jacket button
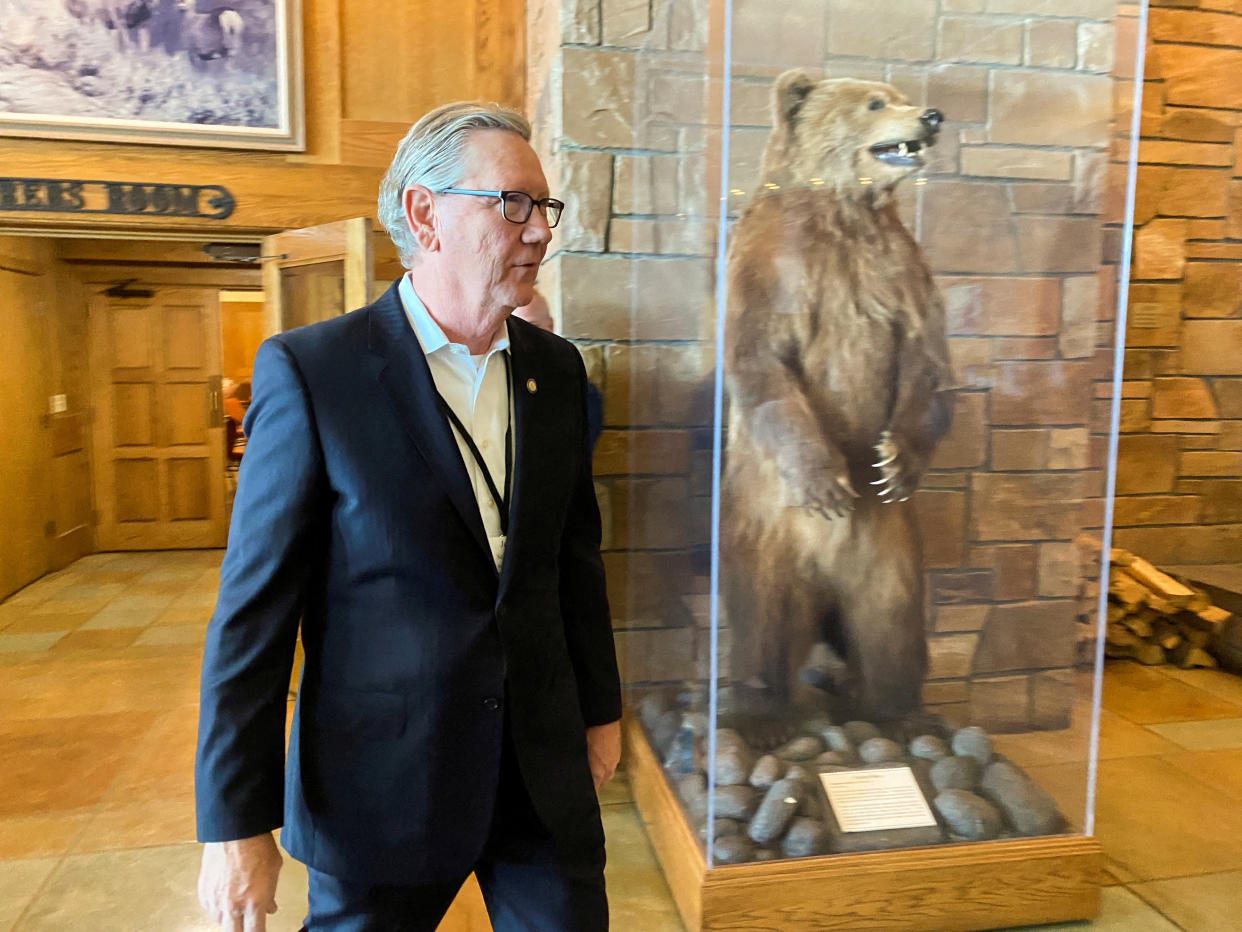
<point>491,703</point>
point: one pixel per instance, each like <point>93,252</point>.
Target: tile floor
<point>98,695</point>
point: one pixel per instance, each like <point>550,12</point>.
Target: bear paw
<point>896,482</point>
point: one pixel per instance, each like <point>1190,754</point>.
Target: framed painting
<point>223,73</point>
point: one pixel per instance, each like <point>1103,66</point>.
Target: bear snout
<point>931,119</point>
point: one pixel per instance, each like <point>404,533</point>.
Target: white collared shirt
<point>475,388</point>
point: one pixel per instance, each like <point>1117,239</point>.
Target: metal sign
<point>130,198</point>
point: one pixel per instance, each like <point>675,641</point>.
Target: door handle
<point>215,402</point>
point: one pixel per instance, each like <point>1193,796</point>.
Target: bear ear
<point>790,93</point>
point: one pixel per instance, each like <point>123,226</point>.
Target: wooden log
<point>1214,616</point>
<point>1126,590</point>
<point>1161,583</point>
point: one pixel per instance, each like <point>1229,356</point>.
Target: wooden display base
<point>950,888</point>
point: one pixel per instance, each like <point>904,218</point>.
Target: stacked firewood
<point>1155,618</point>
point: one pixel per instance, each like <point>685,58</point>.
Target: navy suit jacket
<point>354,514</point>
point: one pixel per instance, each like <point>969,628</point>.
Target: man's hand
<point>237,882</point>
<point>603,751</point>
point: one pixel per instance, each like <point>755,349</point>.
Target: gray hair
<point>433,154</point>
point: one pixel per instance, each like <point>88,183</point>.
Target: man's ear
<point>419,205</point>
<point>790,93</point>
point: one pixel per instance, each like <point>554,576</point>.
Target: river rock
<point>653,706</point>
<point>692,790</point>
<point>777,809</point>
<point>806,837</point>
<point>880,751</point>
<point>1027,808</point>
<point>973,742</point>
<point>798,772</point>
<point>734,802</point>
<point>929,747</point>
<point>733,764</point>
<point>955,773</point>
<point>969,816</point>
<point>859,732</point>
<point>732,849</point>
<point>721,828</point>
<point>767,770</point>
<point>840,742</point>
<point>816,724</point>
<point>833,759</point>
<point>801,749</point>
<point>766,854</point>
<point>683,754</point>
<point>664,730</point>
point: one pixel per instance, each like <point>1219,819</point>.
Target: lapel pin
<point>531,386</point>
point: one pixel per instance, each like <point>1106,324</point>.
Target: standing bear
<point>838,382</point>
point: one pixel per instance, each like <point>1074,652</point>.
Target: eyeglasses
<point>516,206</point>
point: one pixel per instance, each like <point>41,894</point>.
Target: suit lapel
<point>407,381</point>
<point>525,420</point>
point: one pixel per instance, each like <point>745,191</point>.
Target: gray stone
<point>729,738</point>
<point>859,732</point>
<point>777,809</point>
<point>653,707</point>
<point>766,854</point>
<point>767,770</point>
<point>973,742</point>
<point>665,730</point>
<point>1027,808</point>
<point>798,772</point>
<point>833,759</point>
<point>879,751</point>
<point>734,802</point>
<point>806,837</point>
<point>955,773</point>
<point>733,764</point>
<point>969,816</point>
<point>692,791</point>
<point>801,749</point>
<point>722,828</point>
<point>817,725</point>
<point>683,754</point>
<point>929,747</point>
<point>732,849</point>
<point>839,741</point>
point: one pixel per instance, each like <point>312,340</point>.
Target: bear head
<point>855,137</point>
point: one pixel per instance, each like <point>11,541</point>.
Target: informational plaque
<point>877,800</point>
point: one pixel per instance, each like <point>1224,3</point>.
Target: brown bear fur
<point>837,375</point>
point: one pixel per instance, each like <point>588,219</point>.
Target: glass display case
<point>846,274</point>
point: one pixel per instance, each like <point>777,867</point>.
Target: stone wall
<point>1016,217</point>
<point>1179,482</point>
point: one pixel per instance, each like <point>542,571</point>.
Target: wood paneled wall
<point>372,68</point>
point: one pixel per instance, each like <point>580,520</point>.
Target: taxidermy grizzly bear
<point>838,382</point>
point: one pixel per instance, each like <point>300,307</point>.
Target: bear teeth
<point>902,150</point>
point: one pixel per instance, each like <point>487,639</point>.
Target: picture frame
<point>211,73</point>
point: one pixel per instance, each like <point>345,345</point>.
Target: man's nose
<point>536,229</point>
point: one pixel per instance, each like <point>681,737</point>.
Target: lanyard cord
<point>502,501</point>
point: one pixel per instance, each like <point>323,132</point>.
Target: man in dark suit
<point>417,491</point>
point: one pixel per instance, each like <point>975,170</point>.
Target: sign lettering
<point>70,196</point>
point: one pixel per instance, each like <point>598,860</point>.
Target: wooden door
<point>159,423</point>
<point>26,296</point>
<point>315,273</point>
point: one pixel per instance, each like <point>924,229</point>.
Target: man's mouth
<point>906,153</point>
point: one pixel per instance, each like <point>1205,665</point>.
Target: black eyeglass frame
<point>545,204</point>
